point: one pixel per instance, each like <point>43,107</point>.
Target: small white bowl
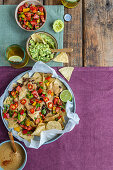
<point>35,2</point>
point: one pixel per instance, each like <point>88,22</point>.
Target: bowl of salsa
<point>30,15</point>
<point>39,46</point>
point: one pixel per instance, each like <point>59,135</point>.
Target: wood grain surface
<point>72,33</point>
<point>98,33</point>
<point>89,33</point>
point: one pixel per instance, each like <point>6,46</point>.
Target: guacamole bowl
<point>39,46</point>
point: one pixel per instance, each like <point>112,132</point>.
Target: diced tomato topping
<point>32,110</point>
<point>41,9</point>
<point>29,128</point>
<point>40,83</point>
<point>57,109</point>
<point>63,110</point>
<point>40,90</point>
<point>22,126</point>
<point>40,101</point>
<point>22,112</point>
<point>42,18</point>
<point>26,4</point>
<point>50,105</point>
<point>24,131</point>
<point>20,8</point>
<point>35,93</point>
<point>6,115</point>
<point>25,127</point>
<point>48,78</point>
<point>36,16</point>
<point>13,93</point>
<point>55,101</point>
<point>30,86</point>
<point>28,15</point>
<point>46,99</point>
<point>31,101</point>
<point>18,88</point>
<point>12,107</point>
<point>43,95</point>
<point>33,22</point>
<point>59,117</point>
<point>23,101</point>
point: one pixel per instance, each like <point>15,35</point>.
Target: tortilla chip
<point>53,125</point>
<point>23,92</point>
<point>62,57</point>
<point>34,115</point>
<point>8,100</point>
<point>37,77</point>
<point>38,130</point>
<point>21,79</point>
<point>25,136</point>
<point>12,123</point>
<point>66,72</point>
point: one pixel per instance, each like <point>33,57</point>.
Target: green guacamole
<point>40,51</point>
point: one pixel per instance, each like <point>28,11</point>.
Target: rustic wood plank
<point>72,32</point>
<point>98,33</point>
<point>1,2</point>
<point>15,2</point>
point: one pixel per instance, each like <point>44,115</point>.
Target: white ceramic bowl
<point>35,2</point>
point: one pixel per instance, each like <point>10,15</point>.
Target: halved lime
<point>58,25</point>
<point>65,96</point>
<point>15,58</point>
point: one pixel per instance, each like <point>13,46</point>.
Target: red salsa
<point>30,16</point>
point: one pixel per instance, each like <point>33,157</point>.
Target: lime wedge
<point>15,58</point>
<point>65,96</point>
<point>58,26</point>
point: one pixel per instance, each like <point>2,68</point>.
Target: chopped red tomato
<point>46,99</point>
<point>50,105</point>
<point>26,4</point>
<point>32,101</point>
<point>35,93</point>
<point>29,128</point>
<point>36,16</point>
<point>63,110</point>
<point>24,132</point>
<point>42,18</point>
<point>30,86</point>
<point>23,101</point>
<point>59,117</point>
<point>55,101</point>
<point>6,115</point>
<point>43,95</point>
<point>40,83</point>
<point>18,88</point>
<point>13,93</point>
<point>12,107</point>
<point>33,22</point>
<point>41,9</point>
<point>22,112</point>
<point>40,90</point>
<point>48,78</point>
<point>57,109</point>
<point>32,110</point>
<point>20,8</point>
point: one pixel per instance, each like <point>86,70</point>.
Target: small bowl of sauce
<point>10,160</point>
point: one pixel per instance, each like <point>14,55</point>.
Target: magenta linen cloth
<point>90,145</point>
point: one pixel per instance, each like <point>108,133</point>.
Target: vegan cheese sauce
<point>10,160</point>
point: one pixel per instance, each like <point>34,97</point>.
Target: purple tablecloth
<point>90,145</point>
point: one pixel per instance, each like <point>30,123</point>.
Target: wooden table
<point>90,33</point>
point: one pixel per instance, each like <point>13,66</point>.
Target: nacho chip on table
<point>66,72</point>
<point>62,57</point>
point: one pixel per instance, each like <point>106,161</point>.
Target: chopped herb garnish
<point>37,105</point>
<point>43,111</point>
<point>56,119</point>
<point>35,118</point>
